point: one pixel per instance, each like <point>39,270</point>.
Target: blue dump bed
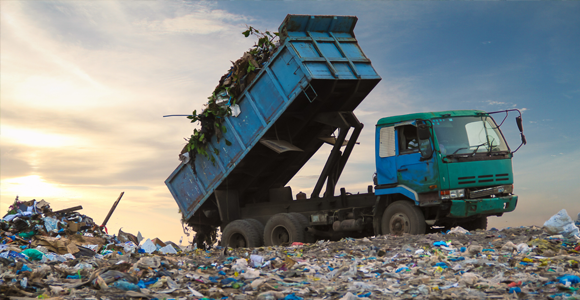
<point>319,68</point>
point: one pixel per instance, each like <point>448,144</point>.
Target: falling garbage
<point>43,257</point>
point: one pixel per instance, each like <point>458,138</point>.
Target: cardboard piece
<point>124,237</point>
<point>56,245</point>
<point>158,243</point>
<point>76,226</point>
<point>72,248</point>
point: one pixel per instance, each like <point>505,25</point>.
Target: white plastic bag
<point>256,260</point>
<point>51,224</point>
<point>240,265</point>
<point>168,250</point>
<point>251,273</point>
<point>561,223</point>
<point>148,246</point>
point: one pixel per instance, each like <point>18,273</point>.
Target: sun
<point>36,138</point>
<point>32,186</point>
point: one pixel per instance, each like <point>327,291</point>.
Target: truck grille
<point>496,190</point>
<point>483,179</point>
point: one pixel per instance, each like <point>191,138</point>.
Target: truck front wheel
<point>403,217</point>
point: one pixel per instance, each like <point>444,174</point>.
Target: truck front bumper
<point>484,206</point>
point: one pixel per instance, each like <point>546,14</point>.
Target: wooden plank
<point>67,210</point>
<point>112,209</point>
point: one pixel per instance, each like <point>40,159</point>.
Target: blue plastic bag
<point>442,265</point>
<point>24,268</point>
<point>573,279</point>
<point>292,297</point>
<point>126,286</point>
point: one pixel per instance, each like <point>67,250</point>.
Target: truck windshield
<point>468,135</point>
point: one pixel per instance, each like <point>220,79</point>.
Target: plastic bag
<point>573,279</point>
<point>149,262</point>
<point>33,254</point>
<point>240,265</point>
<point>148,246</point>
<point>126,286</point>
<point>256,260</point>
<point>458,230</point>
<point>51,224</point>
<point>168,250</point>
<point>251,273</point>
<point>561,223</point>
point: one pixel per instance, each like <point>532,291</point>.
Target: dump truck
<point>433,170</point>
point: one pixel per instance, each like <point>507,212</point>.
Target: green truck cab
<point>443,169</point>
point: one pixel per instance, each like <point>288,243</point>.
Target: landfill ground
<point>513,263</point>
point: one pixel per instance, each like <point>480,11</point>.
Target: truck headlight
<point>452,194</point>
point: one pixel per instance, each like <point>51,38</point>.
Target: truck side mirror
<point>424,135</point>
<point>519,122</point>
<point>521,128</point>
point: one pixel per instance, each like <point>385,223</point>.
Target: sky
<point>84,86</point>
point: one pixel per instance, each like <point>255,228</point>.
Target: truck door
<point>386,156</point>
<point>411,171</point>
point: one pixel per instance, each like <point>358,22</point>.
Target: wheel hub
<point>280,235</point>
<point>237,241</point>
<point>399,224</point>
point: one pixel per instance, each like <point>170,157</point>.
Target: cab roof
<point>428,115</point>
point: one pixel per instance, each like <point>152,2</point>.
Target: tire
<point>240,234</point>
<point>479,223</point>
<point>283,229</point>
<point>259,228</point>
<point>308,237</point>
<point>403,217</point>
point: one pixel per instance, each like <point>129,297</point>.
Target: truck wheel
<point>259,228</point>
<point>403,217</point>
<point>479,223</point>
<point>240,234</point>
<point>308,237</point>
<point>281,229</point>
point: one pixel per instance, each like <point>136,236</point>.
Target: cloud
<point>490,102</point>
<point>205,21</point>
<point>84,89</point>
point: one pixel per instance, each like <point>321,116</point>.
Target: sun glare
<point>36,138</point>
<point>32,186</point>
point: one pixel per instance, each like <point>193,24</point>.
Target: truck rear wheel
<point>259,228</point>
<point>308,237</point>
<point>403,217</point>
<point>283,229</point>
<point>240,234</point>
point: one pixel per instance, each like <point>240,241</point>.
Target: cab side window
<point>408,141</point>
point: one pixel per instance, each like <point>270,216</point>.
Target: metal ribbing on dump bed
<point>318,69</point>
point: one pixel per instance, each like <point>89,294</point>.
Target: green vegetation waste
<point>225,95</point>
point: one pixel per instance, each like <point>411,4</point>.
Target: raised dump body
<point>287,113</point>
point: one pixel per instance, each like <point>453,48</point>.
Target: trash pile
<point>30,224</point>
<point>525,262</point>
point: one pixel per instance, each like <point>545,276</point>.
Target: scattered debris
<point>55,261</point>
